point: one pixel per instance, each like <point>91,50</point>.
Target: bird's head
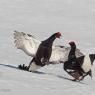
<point>58,35</point>
<point>72,43</point>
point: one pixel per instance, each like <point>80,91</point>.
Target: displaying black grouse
<point>71,57</point>
<point>72,65</point>
<point>44,51</point>
<point>78,67</point>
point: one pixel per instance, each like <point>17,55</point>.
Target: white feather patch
<point>34,67</point>
<point>86,64</point>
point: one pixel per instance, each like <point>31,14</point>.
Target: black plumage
<point>72,62</point>
<point>45,49</point>
<point>76,66</point>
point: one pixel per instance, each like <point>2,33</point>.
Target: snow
<point>74,18</point>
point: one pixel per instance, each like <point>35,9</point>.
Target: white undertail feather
<point>34,67</point>
<point>87,64</point>
<point>29,45</point>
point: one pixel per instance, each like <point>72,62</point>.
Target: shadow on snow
<point>39,72</point>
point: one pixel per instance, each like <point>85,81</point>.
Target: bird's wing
<point>26,42</point>
<point>61,54</point>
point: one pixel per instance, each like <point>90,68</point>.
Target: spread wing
<point>26,42</point>
<point>60,54</point>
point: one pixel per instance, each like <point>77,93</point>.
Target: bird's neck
<point>50,40</point>
<point>72,52</point>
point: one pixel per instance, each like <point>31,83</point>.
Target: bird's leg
<point>23,67</point>
<point>88,73</point>
<point>71,74</point>
<point>31,62</point>
<point>79,75</point>
<point>76,75</point>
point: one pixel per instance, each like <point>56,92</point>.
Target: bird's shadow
<point>10,66</point>
<point>16,67</point>
<point>39,72</point>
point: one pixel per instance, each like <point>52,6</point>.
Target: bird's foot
<point>23,67</point>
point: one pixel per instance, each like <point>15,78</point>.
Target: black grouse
<point>79,67</point>
<point>72,65</point>
<point>44,51</point>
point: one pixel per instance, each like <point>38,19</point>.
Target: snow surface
<point>74,18</point>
